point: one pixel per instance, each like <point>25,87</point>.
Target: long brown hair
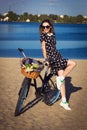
<point>49,22</point>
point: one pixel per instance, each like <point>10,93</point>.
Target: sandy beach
<point>41,116</point>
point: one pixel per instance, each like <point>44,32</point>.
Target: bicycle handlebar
<point>44,62</point>
<point>22,51</point>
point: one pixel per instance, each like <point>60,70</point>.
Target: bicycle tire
<point>22,95</point>
<point>52,94</point>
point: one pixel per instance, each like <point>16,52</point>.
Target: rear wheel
<point>51,93</point>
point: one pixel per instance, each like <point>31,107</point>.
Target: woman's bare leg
<point>70,65</point>
<point>64,73</point>
<point>63,103</point>
<point>62,87</point>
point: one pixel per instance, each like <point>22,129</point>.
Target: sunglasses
<point>47,27</point>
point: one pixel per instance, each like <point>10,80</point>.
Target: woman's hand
<point>46,62</point>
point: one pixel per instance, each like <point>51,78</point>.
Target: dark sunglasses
<point>46,27</point>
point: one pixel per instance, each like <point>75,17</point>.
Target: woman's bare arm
<point>44,49</point>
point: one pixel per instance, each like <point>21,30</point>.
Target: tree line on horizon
<point>26,17</point>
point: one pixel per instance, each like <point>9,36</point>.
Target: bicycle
<point>48,91</point>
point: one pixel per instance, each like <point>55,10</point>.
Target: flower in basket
<point>31,67</point>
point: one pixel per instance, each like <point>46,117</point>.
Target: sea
<point>71,39</point>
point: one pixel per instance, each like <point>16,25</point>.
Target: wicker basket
<point>33,74</point>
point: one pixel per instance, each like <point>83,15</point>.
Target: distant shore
<point>10,16</point>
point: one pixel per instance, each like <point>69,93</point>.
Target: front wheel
<point>22,95</point>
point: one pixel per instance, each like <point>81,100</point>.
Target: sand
<point>41,116</point>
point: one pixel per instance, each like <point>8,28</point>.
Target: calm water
<point>71,39</point>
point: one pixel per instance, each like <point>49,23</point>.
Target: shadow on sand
<point>70,88</point>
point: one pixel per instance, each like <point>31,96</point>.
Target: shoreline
<point>38,58</point>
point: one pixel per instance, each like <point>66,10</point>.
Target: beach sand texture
<point>41,116</point>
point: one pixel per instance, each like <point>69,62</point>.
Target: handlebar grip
<point>45,63</point>
<point>20,49</point>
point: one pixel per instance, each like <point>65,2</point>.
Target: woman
<point>59,66</point>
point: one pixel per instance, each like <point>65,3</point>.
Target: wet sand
<point>41,116</point>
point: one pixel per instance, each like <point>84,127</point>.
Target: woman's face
<point>46,27</point>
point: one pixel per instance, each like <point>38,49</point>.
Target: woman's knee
<point>72,63</point>
<point>60,72</point>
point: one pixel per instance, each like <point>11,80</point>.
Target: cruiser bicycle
<point>47,92</point>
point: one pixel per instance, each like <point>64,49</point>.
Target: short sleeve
<point>43,37</point>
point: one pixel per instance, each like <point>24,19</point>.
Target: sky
<point>59,7</point>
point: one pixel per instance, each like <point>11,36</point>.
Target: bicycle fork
<point>26,84</point>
